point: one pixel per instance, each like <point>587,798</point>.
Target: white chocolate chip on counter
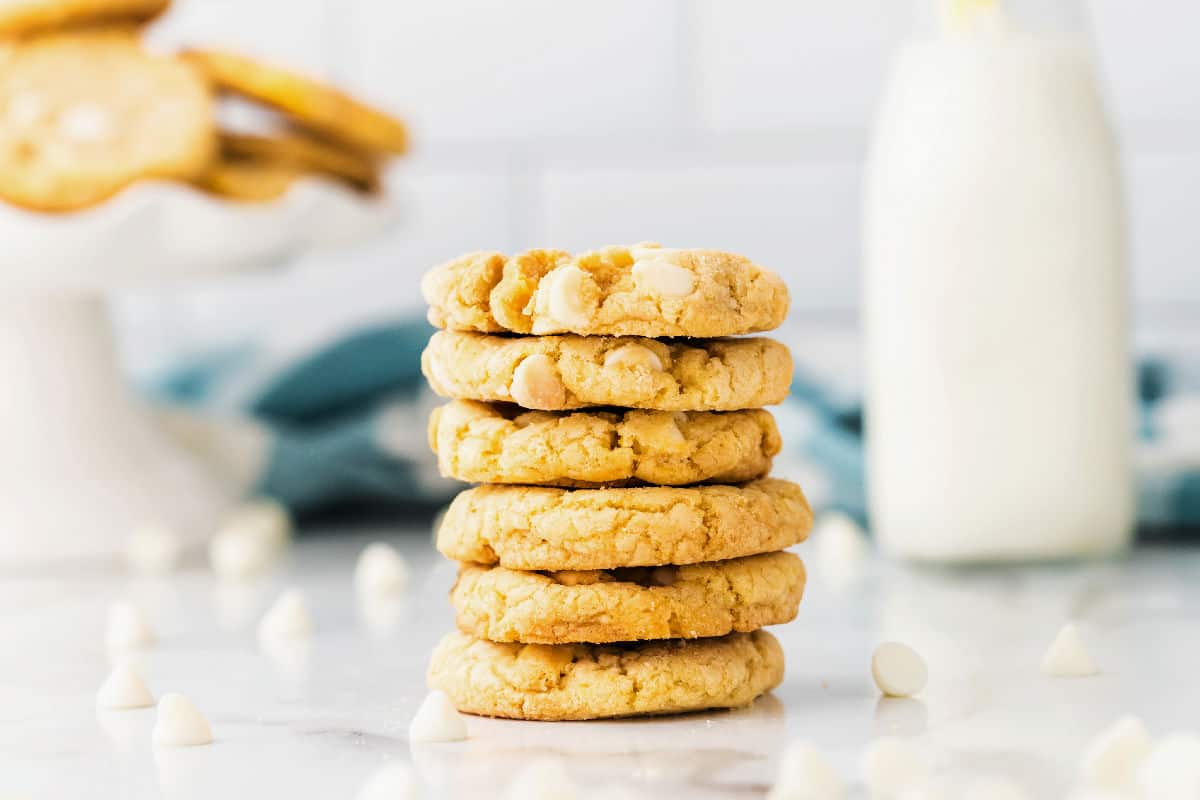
<point>179,723</point>
<point>890,766</point>
<point>544,779</point>
<point>389,782</point>
<point>898,670</point>
<point>536,384</point>
<point>380,571</point>
<point>564,287</point>
<point>1172,769</point>
<point>805,774</point>
<point>1112,758</point>
<point>838,539</point>
<point>288,618</point>
<point>153,549</point>
<point>1067,657</point>
<point>437,720</point>
<point>124,688</point>
<point>633,355</point>
<point>661,277</point>
<point>127,628</point>
<point>250,540</point>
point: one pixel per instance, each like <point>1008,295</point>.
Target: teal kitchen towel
<point>345,423</point>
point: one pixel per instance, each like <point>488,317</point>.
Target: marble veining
<point>313,720</point>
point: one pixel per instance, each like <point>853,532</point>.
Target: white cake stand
<point>81,464</point>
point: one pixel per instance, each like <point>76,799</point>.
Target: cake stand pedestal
<point>81,462</point>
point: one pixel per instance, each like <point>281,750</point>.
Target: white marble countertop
<point>315,725</point>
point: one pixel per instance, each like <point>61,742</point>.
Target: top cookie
<point>309,102</point>
<point>22,17</point>
<point>643,290</point>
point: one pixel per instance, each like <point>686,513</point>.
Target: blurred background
<point>700,123</point>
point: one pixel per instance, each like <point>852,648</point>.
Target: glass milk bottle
<point>999,383</point>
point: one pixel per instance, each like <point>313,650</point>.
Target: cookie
<point>309,102</point>
<point>643,290</point>
<point>304,153</point>
<point>628,604</point>
<point>582,681</point>
<point>23,17</point>
<point>247,181</point>
<point>562,372</point>
<point>502,443</point>
<point>540,528</point>
<point>83,115</point>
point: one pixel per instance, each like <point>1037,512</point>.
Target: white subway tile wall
<point>731,123</point>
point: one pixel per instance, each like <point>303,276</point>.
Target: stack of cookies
<point>86,111</point>
<point>626,546</point>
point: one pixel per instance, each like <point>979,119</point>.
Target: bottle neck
<point>965,18</point>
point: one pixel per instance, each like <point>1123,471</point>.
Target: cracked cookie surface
<point>642,290</point>
<point>487,443</point>
<point>552,373</point>
<point>543,528</point>
<point>580,681</point>
<point>631,604</point>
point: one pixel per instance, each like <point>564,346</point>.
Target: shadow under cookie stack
<point>625,547</point>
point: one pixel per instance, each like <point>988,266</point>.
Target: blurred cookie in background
<point>309,103</point>
<point>246,180</point>
<point>23,17</point>
<point>305,153</point>
<point>85,113</point>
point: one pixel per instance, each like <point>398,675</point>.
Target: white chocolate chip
<point>124,688</point>
<point>1172,769</point>
<point>564,291</point>
<point>898,670</point>
<point>252,539</point>
<point>1112,758</point>
<point>661,277</point>
<point>544,779</point>
<point>437,720</point>
<point>805,774</point>
<point>288,618</point>
<point>127,628</point>
<point>389,782</point>
<point>891,766</point>
<point>646,250</point>
<point>635,356</point>
<point>24,109</point>
<point>153,549</point>
<point>536,383</point>
<point>179,724</point>
<point>1067,657</point>
<point>86,123</point>
<point>839,540</point>
<point>380,570</point>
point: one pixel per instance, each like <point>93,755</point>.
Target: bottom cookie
<point>584,681</point>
